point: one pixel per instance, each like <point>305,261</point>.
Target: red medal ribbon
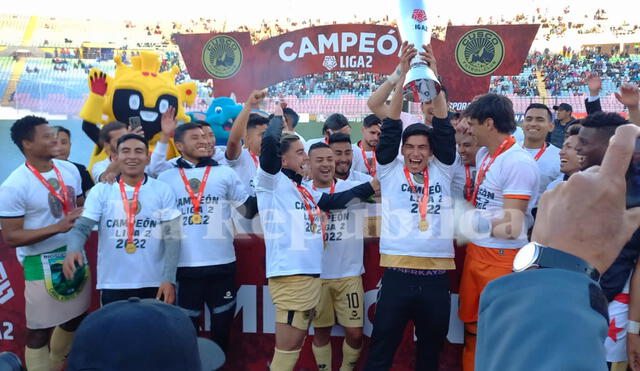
<point>131,214</point>
<point>467,185</point>
<point>254,157</point>
<point>482,170</point>
<point>195,199</point>
<point>62,196</point>
<point>540,152</point>
<point>370,168</point>
<point>424,200</point>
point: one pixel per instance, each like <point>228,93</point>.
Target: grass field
<point>313,129</point>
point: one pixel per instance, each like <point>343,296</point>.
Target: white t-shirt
<point>549,165</point>
<point>23,195</point>
<point>118,269</point>
<point>513,174</point>
<point>360,165</point>
<point>246,168</point>
<point>291,246</point>
<point>357,176</point>
<point>343,254</point>
<point>211,241</point>
<point>555,183</point>
<point>99,168</point>
<point>460,179</point>
<point>400,234</point>
<point>159,162</point>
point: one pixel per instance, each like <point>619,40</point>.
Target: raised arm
<point>377,100</point>
<point>270,156</point>
<point>239,129</point>
<point>629,95</point>
<point>592,103</point>
<point>92,131</point>
<point>444,134</point>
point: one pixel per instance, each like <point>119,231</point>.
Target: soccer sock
<point>322,355</point>
<point>60,344</point>
<point>37,359</point>
<point>349,357</point>
<point>284,360</point>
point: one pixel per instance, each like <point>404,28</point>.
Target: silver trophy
<point>421,84</point>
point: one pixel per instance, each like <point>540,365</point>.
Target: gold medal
<point>313,228</point>
<point>423,225</point>
<point>196,218</point>
<point>130,248</point>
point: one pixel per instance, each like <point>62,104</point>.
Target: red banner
<point>252,338</point>
<point>466,59</point>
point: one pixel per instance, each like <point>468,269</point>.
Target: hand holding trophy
<point>421,83</point>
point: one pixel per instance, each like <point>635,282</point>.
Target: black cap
<point>142,334</point>
<point>563,107</point>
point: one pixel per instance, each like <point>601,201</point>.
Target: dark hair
<point>256,120</point>
<point>200,122</point>
<point>335,121</point>
<point>339,138</point>
<point>294,116</point>
<point>62,129</point>
<point>126,137</point>
<point>603,120</point>
<point>105,132</point>
<point>496,107</point>
<point>315,146</point>
<point>371,120</point>
<point>181,130</point>
<point>539,106</point>
<point>573,129</point>
<point>418,129</point>
<point>24,129</point>
<point>285,142</point>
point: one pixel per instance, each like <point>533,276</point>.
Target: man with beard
<point>37,209</point>
<point>343,154</point>
<point>367,146</point>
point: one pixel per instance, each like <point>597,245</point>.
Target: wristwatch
<point>534,255</point>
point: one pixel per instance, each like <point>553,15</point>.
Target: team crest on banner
<point>54,280</point>
<point>222,57</point>
<point>479,52</point>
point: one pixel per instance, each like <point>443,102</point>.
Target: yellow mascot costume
<point>139,91</point>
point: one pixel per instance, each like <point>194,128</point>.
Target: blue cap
<point>141,334</point>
